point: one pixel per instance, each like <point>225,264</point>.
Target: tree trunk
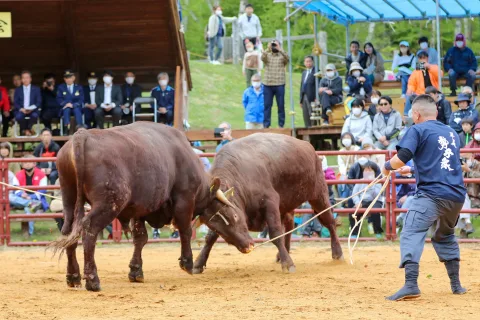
<point>458,26</point>
<point>371,32</point>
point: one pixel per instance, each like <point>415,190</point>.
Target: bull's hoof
<point>198,270</point>
<point>288,269</point>
<point>74,280</point>
<point>136,274</point>
<point>277,259</point>
<point>338,258</point>
<point>92,283</point>
<point>186,264</point>
<point>337,253</point>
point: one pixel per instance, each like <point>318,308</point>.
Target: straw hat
<point>355,66</point>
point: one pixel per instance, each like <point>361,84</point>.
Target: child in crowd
<point>252,63</point>
<point>466,134</point>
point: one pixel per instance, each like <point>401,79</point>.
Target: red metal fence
<point>390,210</point>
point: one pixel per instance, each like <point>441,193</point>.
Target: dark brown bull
<point>144,172</point>
<point>271,175</point>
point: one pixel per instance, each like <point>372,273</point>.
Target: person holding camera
<point>425,75</point>
<point>275,61</point>
<point>50,106</point>
<point>224,131</point>
<point>130,91</point>
<point>460,62</point>
<point>70,98</point>
<point>359,83</point>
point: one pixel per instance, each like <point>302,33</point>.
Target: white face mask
<point>424,45</point>
<point>368,175</point>
<point>459,44</point>
<point>477,136</point>
<point>356,111</point>
<point>362,161</point>
<point>129,80</point>
<point>469,162</point>
<point>375,100</point>
<point>218,12</point>
<point>330,74</point>
<point>249,49</point>
<point>356,73</point>
<point>163,83</point>
<point>107,79</point>
<point>256,84</point>
<point>403,50</point>
<point>347,142</point>
<point>92,82</point>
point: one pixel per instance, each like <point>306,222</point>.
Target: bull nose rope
<point>350,251</point>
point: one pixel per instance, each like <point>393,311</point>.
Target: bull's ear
<point>214,186</point>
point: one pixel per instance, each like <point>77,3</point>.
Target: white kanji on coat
<point>453,140</point>
<point>448,153</point>
<point>443,142</point>
<point>445,164</point>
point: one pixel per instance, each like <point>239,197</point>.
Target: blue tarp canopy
<point>354,11</point>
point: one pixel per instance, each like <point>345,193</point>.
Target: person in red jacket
<point>5,108</point>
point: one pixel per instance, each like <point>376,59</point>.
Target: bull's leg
<point>183,216</point>
<point>201,261</point>
<point>327,220</point>
<point>74,279</point>
<point>140,238</point>
<point>275,229</point>
<point>288,225</point>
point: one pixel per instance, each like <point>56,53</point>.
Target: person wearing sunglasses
<point>386,125</point>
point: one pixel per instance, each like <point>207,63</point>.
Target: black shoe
<point>410,290</point>
<point>453,270</point>
<point>65,131</point>
<point>453,93</point>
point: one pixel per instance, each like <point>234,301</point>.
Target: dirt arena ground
<point>236,286</point>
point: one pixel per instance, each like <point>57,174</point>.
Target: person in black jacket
<point>307,90</point>
<point>46,149</point>
<point>130,91</point>
<point>330,91</point>
<point>355,55</point>
<point>50,106</point>
<point>444,107</point>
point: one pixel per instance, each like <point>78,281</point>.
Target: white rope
<point>28,190</point>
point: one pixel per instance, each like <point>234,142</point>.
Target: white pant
<point>253,125</point>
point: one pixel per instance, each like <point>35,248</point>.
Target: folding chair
<point>61,122</point>
<point>148,101</point>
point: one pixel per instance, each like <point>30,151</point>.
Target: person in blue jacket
<point>70,98</point>
<point>359,83</point>
<point>460,62</point>
<point>253,103</point>
<point>464,111</point>
<point>165,96</point>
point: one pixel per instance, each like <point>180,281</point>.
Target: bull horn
<point>221,197</point>
<point>229,193</point>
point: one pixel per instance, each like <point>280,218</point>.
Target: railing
<point>390,210</point>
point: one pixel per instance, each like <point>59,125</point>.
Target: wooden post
<point>279,36</point>
<point>235,42</point>
<point>322,42</point>
<point>178,109</point>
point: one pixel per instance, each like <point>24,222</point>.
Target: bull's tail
<point>72,229</point>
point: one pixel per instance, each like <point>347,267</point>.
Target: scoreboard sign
<point>5,24</point>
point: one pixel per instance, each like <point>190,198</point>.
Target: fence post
<point>393,206</point>
<point>235,42</point>
<point>322,42</point>
<point>2,203</point>
<point>279,36</point>
<point>116,231</point>
<point>5,203</point>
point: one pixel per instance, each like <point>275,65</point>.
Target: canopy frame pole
<point>297,10</point>
<point>290,69</point>
<point>347,39</point>
<point>439,46</point>
<point>315,30</point>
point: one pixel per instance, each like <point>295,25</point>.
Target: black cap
<point>109,73</point>
<point>92,75</point>
<point>431,89</point>
<point>68,73</point>
<point>248,6</point>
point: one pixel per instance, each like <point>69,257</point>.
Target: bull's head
<point>227,219</point>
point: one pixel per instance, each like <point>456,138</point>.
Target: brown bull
<point>144,172</point>
<point>271,175</point>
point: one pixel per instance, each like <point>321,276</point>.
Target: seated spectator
<point>109,100</point>
<point>475,142</point>
<point>5,108</point>
<point>70,98</point>
<point>330,91</point>
<point>27,101</point>
<point>216,30</point>
<point>253,102</point>
<point>359,83</point>
<point>387,125</point>
<point>472,170</point>
<point>378,159</point>
<point>6,151</point>
<point>355,55</point>
<point>460,62</point>
<point>56,206</point>
<point>373,109</point>
<point>444,107</point>
<point>89,99</point>
<point>17,82</point>
<point>368,173</point>
<point>226,135</point>
<point>50,107</point>
<point>424,76</point>
<point>31,176</point>
<point>165,96</point>
<point>47,149</point>
<point>130,92</point>
<point>252,63</point>
<point>424,47</point>
<point>464,111</point>
<point>250,28</point>
<point>358,122</point>
<point>345,162</point>
<point>356,172</point>
<point>308,90</point>
<point>403,65</point>
<point>374,65</point>
<point>466,134</point>
<point>473,99</point>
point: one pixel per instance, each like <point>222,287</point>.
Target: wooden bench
<point>391,84</point>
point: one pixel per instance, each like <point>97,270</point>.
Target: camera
<point>273,44</point>
<point>420,65</point>
<point>49,83</point>
<point>217,132</point>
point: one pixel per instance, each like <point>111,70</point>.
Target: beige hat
<point>56,205</point>
<point>330,66</point>
<point>355,66</point>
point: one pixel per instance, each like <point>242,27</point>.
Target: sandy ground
<point>236,286</point>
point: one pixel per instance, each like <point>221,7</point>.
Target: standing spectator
<point>216,30</point>
<point>307,90</point>
<point>6,151</point>
<point>275,60</point>
<point>387,125</point>
<point>27,100</point>
<point>403,65</point>
<point>5,108</point>
<point>165,96</point>
<point>47,149</point>
<point>466,134</point>
<point>373,109</point>
<point>108,99</point>
<point>444,107</point>
<point>251,63</point>
<point>89,99</point>
<point>253,102</point>
<point>460,62</point>
<point>359,83</point>
<point>51,108</point>
<point>70,98</point>
<point>464,111</point>
<point>130,92</point>
<point>358,123</point>
<point>17,82</point>
<point>226,135</point>
<point>431,52</point>
<point>330,91</point>
<point>424,76</point>
<point>355,55</point>
<point>249,27</point>
<point>374,65</point>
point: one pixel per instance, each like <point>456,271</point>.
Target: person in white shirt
<point>89,98</point>
<point>108,99</point>
<point>250,27</point>
<point>403,65</point>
